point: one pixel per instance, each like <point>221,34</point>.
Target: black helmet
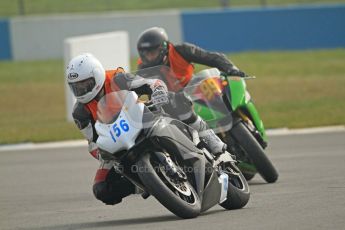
<point>153,46</point>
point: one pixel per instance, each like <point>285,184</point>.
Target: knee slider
<point>103,193</point>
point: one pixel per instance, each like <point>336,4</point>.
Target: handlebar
<point>247,77</point>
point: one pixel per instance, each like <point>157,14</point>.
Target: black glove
<point>160,95</point>
<point>236,72</point>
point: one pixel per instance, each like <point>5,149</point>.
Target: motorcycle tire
<point>238,192</point>
<point>248,176</point>
<point>254,150</point>
<point>158,186</point>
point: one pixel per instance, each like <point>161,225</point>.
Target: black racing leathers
<point>194,54</point>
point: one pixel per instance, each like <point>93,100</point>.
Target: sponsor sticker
<point>72,76</point>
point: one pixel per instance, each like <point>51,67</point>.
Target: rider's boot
<point>215,144</point>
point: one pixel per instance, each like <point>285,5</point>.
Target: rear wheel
<point>238,189</point>
<point>177,196</point>
<point>248,176</point>
<point>255,152</point>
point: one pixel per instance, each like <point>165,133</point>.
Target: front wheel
<point>178,197</point>
<point>238,189</point>
<point>255,152</point>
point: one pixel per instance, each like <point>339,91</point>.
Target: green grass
<point>11,7</point>
<point>297,89</point>
<point>292,89</point>
<point>33,103</point>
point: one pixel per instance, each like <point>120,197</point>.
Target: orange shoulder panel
<point>109,86</point>
<point>182,69</point>
<point>139,61</point>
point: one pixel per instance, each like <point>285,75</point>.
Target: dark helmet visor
<point>81,88</point>
<point>152,55</point>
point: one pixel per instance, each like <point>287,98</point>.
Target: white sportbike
<point>165,157</point>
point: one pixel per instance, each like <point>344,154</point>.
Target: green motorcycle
<point>224,103</point>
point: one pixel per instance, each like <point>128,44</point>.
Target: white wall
<point>41,37</point>
<point>111,49</point>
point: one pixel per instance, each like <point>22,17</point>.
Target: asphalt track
<point>51,189</point>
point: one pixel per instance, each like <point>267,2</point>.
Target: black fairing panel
<point>175,142</point>
<point>211,193</point>
<point>167,128</point>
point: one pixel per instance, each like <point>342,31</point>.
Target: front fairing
<point>207,92</point>
<point>119,121</point>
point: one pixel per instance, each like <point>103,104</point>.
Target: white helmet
<point>85,76</point>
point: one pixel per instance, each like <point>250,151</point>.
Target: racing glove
<point>236,72</point>
<point>159,95</point>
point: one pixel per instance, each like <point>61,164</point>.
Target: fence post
<point>21,7</point>
<point>225,3</point>
<point>263,3</point>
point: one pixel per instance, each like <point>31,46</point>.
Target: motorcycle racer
<point>154,49</point>
<point>89,82</point>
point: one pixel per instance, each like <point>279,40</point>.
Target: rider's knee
<point>103,193</point>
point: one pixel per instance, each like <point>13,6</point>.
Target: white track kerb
<point>83,143</point>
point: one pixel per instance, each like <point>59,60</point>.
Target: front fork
<point>253,123</point>
<point>172,170</point>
